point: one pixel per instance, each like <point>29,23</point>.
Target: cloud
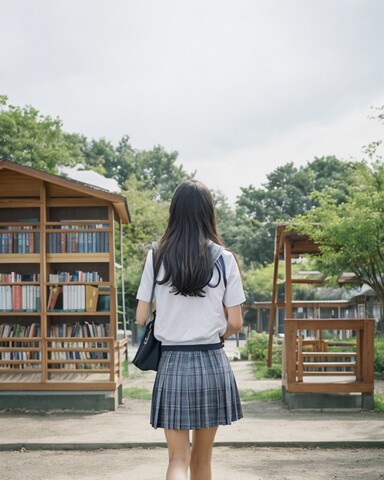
<point>236,87</point>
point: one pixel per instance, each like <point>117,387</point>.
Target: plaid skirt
<point>193,390</point>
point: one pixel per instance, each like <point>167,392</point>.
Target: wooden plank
<point>300,364</point>
<point>288,278</point>
<point>273,304</point>
<point>368,351</point>
<point>328,324</point>
<point>330,373</point>
<point>52,386</point>
<point>290,352</point>
<point>77,257</point>
<point>349,387</point>
<point>329,364</point>
<point>20,258</point>
<point>329,354</point>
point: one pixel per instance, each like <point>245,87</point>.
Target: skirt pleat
<point>194,390</point>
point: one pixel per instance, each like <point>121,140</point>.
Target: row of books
<point>78,242</point>
<point>14,277</point>
<point>78,331</point>
<point>20,242</point>
<point>77,276</point>
<point>83,298</point>
<point>19,330</point>
<point>24,298</point>
<point>14,331</point>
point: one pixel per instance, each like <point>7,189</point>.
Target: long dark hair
<point>183,248</point>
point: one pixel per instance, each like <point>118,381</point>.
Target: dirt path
<point>228,464</point>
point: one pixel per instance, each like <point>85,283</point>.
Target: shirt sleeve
<point>234,293</point>
<point>145,288</point>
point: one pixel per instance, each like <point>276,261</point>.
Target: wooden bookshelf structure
<point>59,346</point>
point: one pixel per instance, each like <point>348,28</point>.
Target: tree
<point>286,194</point>
<point>30,138</point>
<point>149,222</point>
<point>351,234</point>
<point>156,169</point>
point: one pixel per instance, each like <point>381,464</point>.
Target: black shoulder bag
<point>148,354</point>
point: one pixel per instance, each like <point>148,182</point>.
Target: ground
<point>229,463</point>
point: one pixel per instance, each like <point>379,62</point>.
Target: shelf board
<point>77,257</point>
<point>20,258</point>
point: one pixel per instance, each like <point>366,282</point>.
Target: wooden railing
<point>71,360</point>
<point>312,358</point>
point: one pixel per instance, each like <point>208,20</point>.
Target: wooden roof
<point>300,244</point>
<point>29,180</point>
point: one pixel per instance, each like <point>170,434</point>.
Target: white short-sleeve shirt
<point>192,320</point>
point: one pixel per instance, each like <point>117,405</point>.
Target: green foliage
<point>351,236</point>
<point>273,372</point>
<point>257,345</point>
<point>378,361</point>
<point>30,138</point>
<point>378,403</point>
<point>257,348</point>
<point>261,371</point>
<point>150,217</point>
<point>286,194</point>
<point>257,283</point>
<point>270,395</point>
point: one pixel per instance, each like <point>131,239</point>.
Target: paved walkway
<point>264,423</point>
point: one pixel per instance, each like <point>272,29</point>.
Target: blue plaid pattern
<point>194,390</point>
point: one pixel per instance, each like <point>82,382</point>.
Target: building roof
<point>60,185</point>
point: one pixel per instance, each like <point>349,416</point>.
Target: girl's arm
<point>234,321</point>
<point>142,311</point>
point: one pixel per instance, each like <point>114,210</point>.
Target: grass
<point>137,393</point>
<point>270,395</point>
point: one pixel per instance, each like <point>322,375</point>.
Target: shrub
<point>273,372</point>
<point>378,361</point>
<point>257,348</point>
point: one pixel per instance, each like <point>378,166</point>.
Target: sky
<point>236,87</point>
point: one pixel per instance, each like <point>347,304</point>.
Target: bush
<point>378,361</point>
<point>273,372</point>
<point>257,348</point>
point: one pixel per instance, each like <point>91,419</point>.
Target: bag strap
<point>216,252</point>
<point>222,265</point>
<point>150,312</point>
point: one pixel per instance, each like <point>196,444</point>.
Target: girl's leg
<point>202,443</point>
<point>179,454</point>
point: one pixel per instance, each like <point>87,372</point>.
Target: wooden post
<point>368,349</point>
<point>290,350</point>
<point>288,278</point>
<point>273,304</point>
<point>43,281</point>
<point>300,367</point>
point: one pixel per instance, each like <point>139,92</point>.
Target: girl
<point>198,305</point>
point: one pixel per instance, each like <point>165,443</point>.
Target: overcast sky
<point>237,87</point>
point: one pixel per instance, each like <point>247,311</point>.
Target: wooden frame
<point>45,362</point>
<point>352,369</point>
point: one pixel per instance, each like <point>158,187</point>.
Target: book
<point>54,293</point>
<point>91,297</point>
